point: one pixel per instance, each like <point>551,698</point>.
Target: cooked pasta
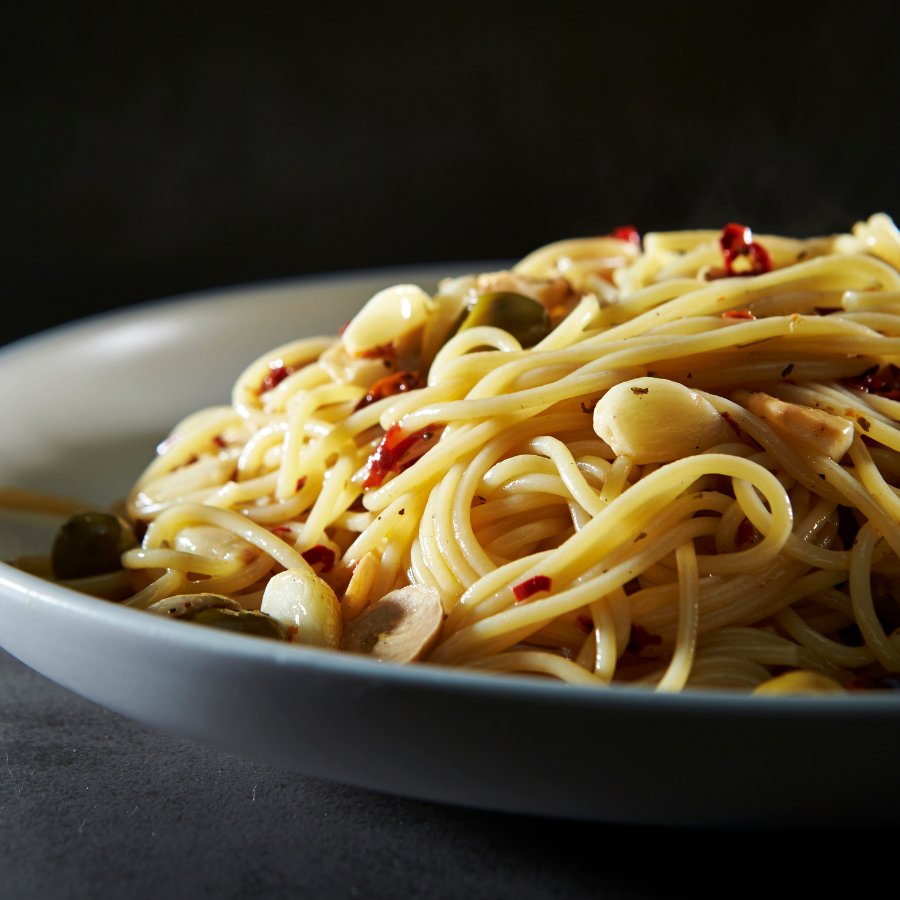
<point>670,462</point>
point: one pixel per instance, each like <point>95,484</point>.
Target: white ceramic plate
<point>83,408</point>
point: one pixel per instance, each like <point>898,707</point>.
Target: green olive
<point>243,621</point>
<point>90,543</point>
<point>525,319</point>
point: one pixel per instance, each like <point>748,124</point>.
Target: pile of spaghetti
<point>668,460</point>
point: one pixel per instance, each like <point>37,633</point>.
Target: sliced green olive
<point>90,543</point>
<point>525,319</point>
<point>243,621</point>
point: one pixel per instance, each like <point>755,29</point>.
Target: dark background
<point>144,154</point>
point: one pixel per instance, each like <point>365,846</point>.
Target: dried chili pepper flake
<point>738,314</point>
<point>301,481</point>
<point>281,529</point>
<point>278,371</point>
<point>398,383</point>
<point>734,238</point>
<point>640,639</point>
<point>746,533</point>
<point>585,623</point>
<point>628,233</point>
<point>219,441</point>
<point>743,256</point>
<point>382,351</point>
<point>531,586</point>
<point>320,555</point>
<point>881,380</point>
<point>398,451</point>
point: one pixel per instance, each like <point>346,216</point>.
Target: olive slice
<point>525,319</point>
<point>219,611</point>
<point>243,621</point>
<point>90,543</point>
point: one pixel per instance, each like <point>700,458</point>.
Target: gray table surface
<point>95,805</point>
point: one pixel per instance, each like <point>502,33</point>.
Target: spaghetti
<point>672,463</point>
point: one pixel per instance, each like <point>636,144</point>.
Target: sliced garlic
<point>305,605</point>
<point>812,429</point>
<point>400,627</point>
<point>387,316</point>
<point>356,596</point>
<point>654,420</point>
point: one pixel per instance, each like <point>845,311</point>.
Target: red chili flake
<point>738,314</point>
<point>382,351</point>
<point>397,452</point>
<point>628,233</point>
<point>219,441</point>
<point>640,638</point>
<point>585,623</point>
<point>746,533</point>
<point>881,380</point>
<point>278,371</point>
<point>281,529</point>
<point>320,555</point>
<point>299,485</point>
<point>530,586</point>
<point>737,244</point>
<point>398,383</point>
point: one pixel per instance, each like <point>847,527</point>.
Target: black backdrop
<point>188,146</point>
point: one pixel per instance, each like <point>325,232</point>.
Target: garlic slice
<point>306,606</point>
<point>387,316</point>
<point>400,627</point>
<point>654,420</point>
<point>812,429</point>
